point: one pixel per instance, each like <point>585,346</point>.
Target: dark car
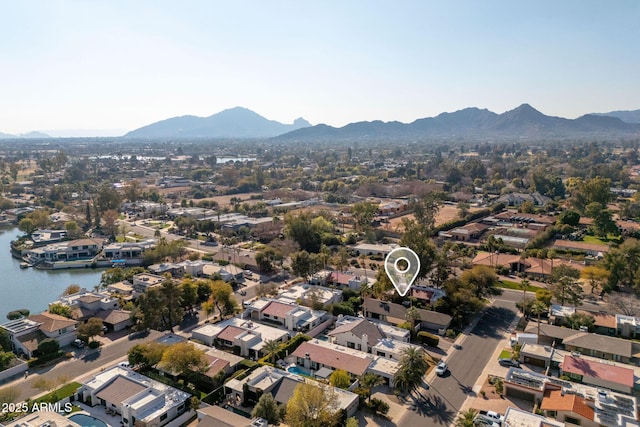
<point>509,363</point>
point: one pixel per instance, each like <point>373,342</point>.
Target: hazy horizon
<point>118,66</point>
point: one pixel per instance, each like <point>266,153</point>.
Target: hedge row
<point>285,349</point>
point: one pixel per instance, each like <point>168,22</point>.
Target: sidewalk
<point>494,403</point>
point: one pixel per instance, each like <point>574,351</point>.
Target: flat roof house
<point>136,398</point>
<point>291,316</point>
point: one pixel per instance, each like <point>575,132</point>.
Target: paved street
<point>437,403</point>
<point>86,361</point>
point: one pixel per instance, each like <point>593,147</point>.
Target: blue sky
<point>91,64</point>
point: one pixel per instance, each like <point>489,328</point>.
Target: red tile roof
<point>593,369</point>
<point>557,401</point>
<point>277,309</point>
<point>230,333</point>
<point>333,358</point>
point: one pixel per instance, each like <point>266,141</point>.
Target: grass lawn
<point>505,354</point>
<point>508,284</point>
<point>61,393</point>
<point>600,241</point>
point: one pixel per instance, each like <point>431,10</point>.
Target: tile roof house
<point>568,408</point>
<point>360,334</point>
<point>245,335</point>
<point>598,374</point>
<point>26,333</point>
<point>315,355</point>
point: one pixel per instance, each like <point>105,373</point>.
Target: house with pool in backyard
<point>136,399</point>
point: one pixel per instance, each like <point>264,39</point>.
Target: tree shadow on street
<point>434,407</point>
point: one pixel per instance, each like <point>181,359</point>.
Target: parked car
<point>441,368</point>
<point>509,363</point>
<point>493,416</point>
<point>481,420</point>
<point>78,343</point>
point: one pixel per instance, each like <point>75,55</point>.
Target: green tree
<point>26,225</point>
<point>352,422</point>
<point>576,320</point>
<point>185,359</point>
<point>524,285</point>
<point>171,309</point>
<point>5,340</point>
<point>91,328</point>
<point>466,418</point>
<point>222,297</point>
<point>71,289</point>
<point>299,229</point>
<point>411,368</point>
<point>565,286</point>
<point>189,296</point>
<point>412,316</point>
<point>363,213</point>
<point>595,275</point>
<point>312,406</point>
<point>268,409</point>
<point>369,381</point>
<point>146,355</point>
<point>482,279</point>
<point>594,190</point>
<point>569,217</point>
<point>603,223</point>
<point>61,310</point>
<point>340,378</point>
<point>271,348</point>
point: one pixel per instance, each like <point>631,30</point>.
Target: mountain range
<point>235,122</point>
<point>521,122</point>
<point>29,135</point>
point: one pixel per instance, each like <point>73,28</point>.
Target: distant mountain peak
<point>236,122</point>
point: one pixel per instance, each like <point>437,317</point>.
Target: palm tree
<point>412,316</point>
<point>271,348</point>
<point>369,381</point>
<point>412,367</point>
<point>524,285</point>
<point>466,418</point>
<point>538,307</point>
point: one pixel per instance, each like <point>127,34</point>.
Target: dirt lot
<point>445,214</point>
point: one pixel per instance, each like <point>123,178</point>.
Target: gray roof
<point>359,328</point>
<point>399,311</point>
<point>215,416</point>
<point>600,343</point>
<point>283,391</point>
<point>551,331</point>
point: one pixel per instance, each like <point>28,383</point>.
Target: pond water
<point>31,288</point>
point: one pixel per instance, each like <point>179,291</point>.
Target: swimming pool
<point>298,371</point>
<point>87,420</point>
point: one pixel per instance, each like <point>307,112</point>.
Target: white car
<point>441,368</point>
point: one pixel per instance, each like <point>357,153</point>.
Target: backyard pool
<point>298,371</point>
<point>86,420</point>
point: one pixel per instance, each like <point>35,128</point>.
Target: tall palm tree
<point>412,367</point>
<point>369,381</point>
<point>271,348</point>
<point>538,307</point>
<point>466,418</point>
<point>412,316</point>
<point>524,285</point>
